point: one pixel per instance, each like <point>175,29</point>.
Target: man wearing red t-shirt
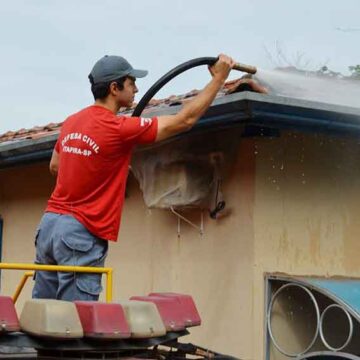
<point>91,160</point>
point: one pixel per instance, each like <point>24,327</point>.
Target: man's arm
<point>185,119</point>
<point>54,163</point>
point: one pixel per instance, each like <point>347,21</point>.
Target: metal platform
<point>22,346</point>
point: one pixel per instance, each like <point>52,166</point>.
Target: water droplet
<point>282,167</point>
<point>302,174</point>
<point>273,166</point>
<point>255,152</point>
<point>274,181</point>
<point>304,181</point>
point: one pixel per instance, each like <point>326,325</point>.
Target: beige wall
<point>215,268</point>
<point>23,193</point>
<point>299,216</point>
<point>306,209</point>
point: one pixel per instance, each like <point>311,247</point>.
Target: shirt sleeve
<point>139,130</point>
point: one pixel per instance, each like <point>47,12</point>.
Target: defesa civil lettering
<point>77,151</point>
<point>72,136</point>
<point>82,137</point>
<point>88,140</point>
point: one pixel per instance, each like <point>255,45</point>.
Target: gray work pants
<point>62,240</point>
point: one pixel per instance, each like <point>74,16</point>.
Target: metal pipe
<point>199,228</point>
<point>65,268</point>
<point>21,285</point>
<point>351,328</point>
<point>269,319</point>
<point>109,284</point>
<point>245,68</point>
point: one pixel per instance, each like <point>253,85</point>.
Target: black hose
<point>169,76</point>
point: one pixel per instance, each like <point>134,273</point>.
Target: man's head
<point>114,76</point>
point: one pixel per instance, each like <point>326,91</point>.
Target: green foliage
<point>325,71</point>
<point>355,72</point>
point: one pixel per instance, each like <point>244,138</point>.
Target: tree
<point>280,59</point>
<point>355,72</point>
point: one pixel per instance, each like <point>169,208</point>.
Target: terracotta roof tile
<point>52,128</point>
<point>33,133</point>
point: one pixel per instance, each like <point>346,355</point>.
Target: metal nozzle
<point>245,68</point>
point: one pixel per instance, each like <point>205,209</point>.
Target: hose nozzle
<point>245,68</point>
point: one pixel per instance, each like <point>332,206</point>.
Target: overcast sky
<point>49,47</point>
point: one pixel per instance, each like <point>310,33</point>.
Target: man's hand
<point>221,69</point>
<point>247,84</point>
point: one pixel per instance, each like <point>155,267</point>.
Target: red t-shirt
<point>94,149</point>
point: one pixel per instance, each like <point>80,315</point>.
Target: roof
<point>37,132</point>
<point>230,108</point>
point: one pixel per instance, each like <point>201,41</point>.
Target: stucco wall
<point>215,268</point>
<point>23,193</point>
<point>306,209</point>
<point>299,216</point>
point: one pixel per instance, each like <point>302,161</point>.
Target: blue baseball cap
<point>112,67</point>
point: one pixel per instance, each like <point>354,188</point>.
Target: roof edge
<point>245,108</point>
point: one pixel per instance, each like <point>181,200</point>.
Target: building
<point>290,178</point>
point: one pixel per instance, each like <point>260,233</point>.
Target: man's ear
<point>113,88</point>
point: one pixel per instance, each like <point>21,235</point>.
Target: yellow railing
<point>81,269</point>
<point>21,285</point>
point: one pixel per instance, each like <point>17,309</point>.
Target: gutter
<point>26,158</point>
<point>238,109</point>
<point>27,151</point>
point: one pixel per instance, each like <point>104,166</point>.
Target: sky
<point>48,47</point>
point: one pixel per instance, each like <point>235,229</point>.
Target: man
<point>90,160</point>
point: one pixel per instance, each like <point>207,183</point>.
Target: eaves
<point>239,109</point>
